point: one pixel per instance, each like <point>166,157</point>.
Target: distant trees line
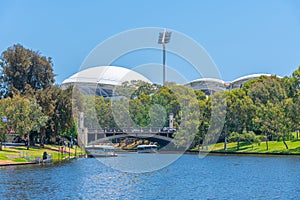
<point>267,107</point>
<point>263,109</point>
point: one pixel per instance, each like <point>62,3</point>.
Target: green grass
<point>21,154</point>
<point>19,160</point>
<point>3,157</point>
<point>274,147</point>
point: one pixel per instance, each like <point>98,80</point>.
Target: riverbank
<point>274,148</point>
<point>21,156</point>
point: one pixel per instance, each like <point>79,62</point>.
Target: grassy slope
<point>274,147</point>
<point>21,154</point>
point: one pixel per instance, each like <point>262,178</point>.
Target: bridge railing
<point>131,130</point>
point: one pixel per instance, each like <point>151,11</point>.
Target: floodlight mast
<point>164,38</point>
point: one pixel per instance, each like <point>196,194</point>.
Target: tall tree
<point>24,68</point>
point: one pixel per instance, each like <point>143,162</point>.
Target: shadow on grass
<point>243,146</point>
<point>295,150</point>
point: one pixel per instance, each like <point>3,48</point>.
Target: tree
<point>24,116</point>
<point>188,114</point>
<point>217,119</point>
<point>18,111</point>
<point>236,137</point>
<point>240,111</point>
<point>3,123</point>
<point>295,79</point>
<point>24,68</point>
<point>166,97</point>
<point>273,121</point>
<point>37,118</point>
<point>139,110</point>
<point>105,116</point>
<point>62,119</point>
<point>265,89</point>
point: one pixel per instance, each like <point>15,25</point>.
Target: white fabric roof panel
<point>108,75</point>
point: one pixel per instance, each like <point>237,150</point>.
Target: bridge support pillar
<point>96,136</point>
<point>171,120</point>
<point>81,120</point>
<point>82,132</point>
<point>82,136</point>
<point>85,133</point>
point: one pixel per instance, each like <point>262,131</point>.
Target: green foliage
<point>23,69</point>
<point>32,104</point>
<point>18,112</point>
<point>235,137</point>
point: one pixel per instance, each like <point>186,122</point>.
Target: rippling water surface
<point>213,177</point>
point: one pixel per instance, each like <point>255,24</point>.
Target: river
<point>189,177</point>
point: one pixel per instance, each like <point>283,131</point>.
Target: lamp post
<point>164,38</point>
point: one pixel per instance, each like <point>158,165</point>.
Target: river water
<point>212,177</point>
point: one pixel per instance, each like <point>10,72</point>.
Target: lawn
<point>21,154</point>
<point>274,147</point>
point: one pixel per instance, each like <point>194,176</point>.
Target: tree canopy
<point>23,69</point>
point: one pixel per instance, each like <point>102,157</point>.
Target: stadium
<point>102,81</point>
<point>211,85</point>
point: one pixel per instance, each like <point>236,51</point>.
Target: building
<point>211,85</point>
<point>101,80</point>
<point>207,85</point>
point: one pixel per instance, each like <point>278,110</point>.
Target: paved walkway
<point>9,163</point>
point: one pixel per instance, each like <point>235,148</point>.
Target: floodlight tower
<point>164,38</point>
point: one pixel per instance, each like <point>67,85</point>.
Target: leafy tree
<point>37,118</point>
<point>189,115</point>
<point>56,104</point>
<point>18,111</point>
<point>264,89</point>
<point>216,118</point>
<point>24,116</point>
<point>205,115</point>
<point>3,123</point>
<point>24,68</point>
<point>166,97</point>
<point>139,110</point>
<point>62,119</point>
<point>236,137</point>
<point>105,116</point>
<point>295,80</point>
<point>121,114</point>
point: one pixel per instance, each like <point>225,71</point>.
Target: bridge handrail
<point>129,130</point>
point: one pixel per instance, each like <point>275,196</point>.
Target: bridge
<point>96,136</point>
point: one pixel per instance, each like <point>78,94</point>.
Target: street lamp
<point>164,38</point>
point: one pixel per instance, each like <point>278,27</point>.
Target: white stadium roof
<point>106,75</point>
<point>102,80</point>
<point>211,85</point>
<point>211,80</point>
<point>249,77</point>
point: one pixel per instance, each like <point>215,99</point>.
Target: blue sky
<point>242,37</point>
